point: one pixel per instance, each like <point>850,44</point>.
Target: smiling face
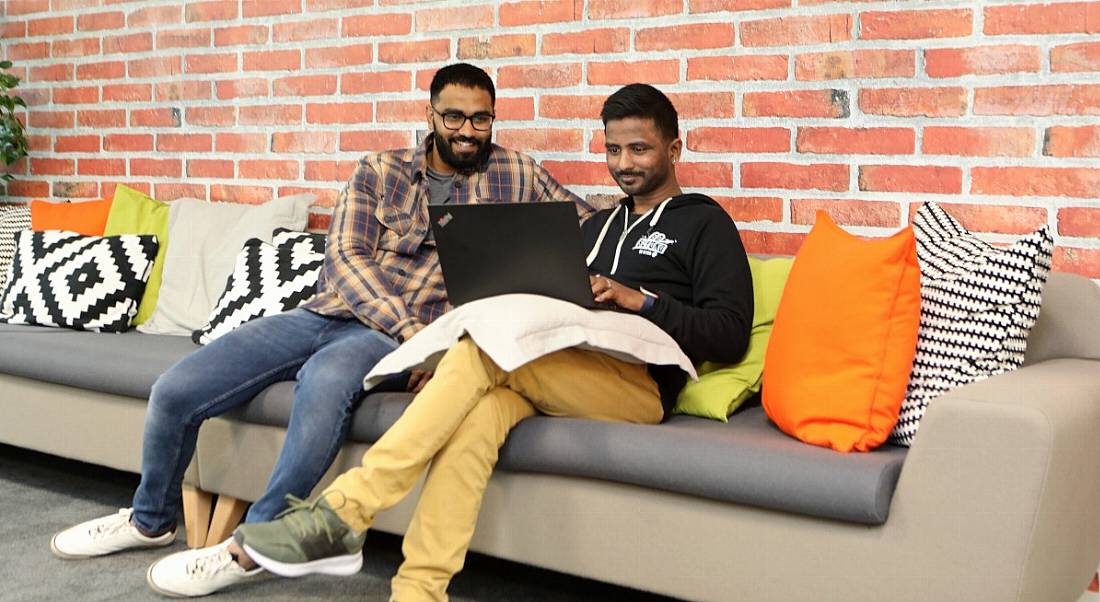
<point>639,158</point>
<point>465,147</point>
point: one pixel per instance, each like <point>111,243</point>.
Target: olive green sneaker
<point>306,538</point>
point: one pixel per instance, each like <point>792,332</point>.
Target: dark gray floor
<point>42,494</point>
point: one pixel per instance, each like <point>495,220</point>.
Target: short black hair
<point>644,102</point>
<point>465,75</point>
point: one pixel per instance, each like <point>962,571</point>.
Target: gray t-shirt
<point>439,187</point>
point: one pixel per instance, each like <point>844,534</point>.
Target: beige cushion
<point>206,238</point>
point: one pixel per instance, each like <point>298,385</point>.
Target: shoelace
<point>205,567</point>
<point>117,523</point>
<point>305,518</point>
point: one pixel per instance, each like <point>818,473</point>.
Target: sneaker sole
<point>343,566</point>
<point>67,556</point>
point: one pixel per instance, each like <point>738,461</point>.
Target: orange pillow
<point>86,217</point>
<point>844,338</point>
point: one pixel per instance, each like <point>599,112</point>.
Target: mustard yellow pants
<point>458,423</point>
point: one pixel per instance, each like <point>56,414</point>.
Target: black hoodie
<point>689,253</point>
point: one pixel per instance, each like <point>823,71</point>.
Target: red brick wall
<point>862,108</point>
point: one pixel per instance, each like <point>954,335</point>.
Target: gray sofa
<point>996,500</point>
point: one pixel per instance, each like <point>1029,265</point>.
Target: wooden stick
<point>228,513</point>
<point>196,515</point>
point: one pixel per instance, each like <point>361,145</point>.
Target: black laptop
<point>501,248</point>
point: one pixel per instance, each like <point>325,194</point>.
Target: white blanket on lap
<point>515,329</point>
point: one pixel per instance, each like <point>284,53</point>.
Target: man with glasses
<point>380,284</point>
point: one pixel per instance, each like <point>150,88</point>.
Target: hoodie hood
<point>675,202</point>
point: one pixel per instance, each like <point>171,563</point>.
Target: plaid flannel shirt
<point>381,265</point>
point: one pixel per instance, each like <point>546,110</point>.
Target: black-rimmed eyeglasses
<point>454,120</point>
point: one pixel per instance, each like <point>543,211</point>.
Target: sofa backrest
<point>1069,320</point>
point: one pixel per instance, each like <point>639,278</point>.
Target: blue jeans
<point>327,356</point>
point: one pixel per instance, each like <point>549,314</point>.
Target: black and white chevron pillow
<point>267,279</point>
<point>13,220</point>
<point>60,278</point>
<point>978,304</point>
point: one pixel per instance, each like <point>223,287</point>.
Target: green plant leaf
<point>13,140</point>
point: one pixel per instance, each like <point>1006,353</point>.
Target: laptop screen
<point>501,248</point>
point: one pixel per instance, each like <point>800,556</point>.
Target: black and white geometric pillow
<point>13,220</point>
<point>60,278</point>
<point>313,241</point>
<point>978,304</point>
<point>267,279</point>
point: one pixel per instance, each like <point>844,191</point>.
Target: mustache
<point>619,174</point>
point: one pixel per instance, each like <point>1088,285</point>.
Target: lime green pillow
<point>722,388</point>
<point>133,212</point>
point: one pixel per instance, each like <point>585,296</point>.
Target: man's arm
<point>717,326</point>
<point>351,268</point>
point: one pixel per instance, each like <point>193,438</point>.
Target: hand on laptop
<point>606,290</point>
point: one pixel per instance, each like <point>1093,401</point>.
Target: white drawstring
<point>627,227</point>
<point>599,239</point>
<point>626,230</point>
<point>660,210</point>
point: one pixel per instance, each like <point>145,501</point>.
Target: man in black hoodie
<point>674,258</point>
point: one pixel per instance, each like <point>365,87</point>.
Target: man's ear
<point>674,150</point>
<point>428,117</point>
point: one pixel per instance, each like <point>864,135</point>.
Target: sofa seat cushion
<point>119,363</point>
<point>747,460</point>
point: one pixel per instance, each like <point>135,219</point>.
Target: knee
<point>465,347</point>
<point>172,402</point>
<point>468,352</point>
<point>484,428</point>
<point>170,390</point>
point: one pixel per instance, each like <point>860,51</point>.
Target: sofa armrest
<point>1010,467</point>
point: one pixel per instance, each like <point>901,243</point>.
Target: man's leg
<point>328,388</point>
<point>435,544</point>
<point>393,464</point>
<point>329,382</point>
<point>570,382</point>
<point>390,469</point>
<point>581,383</point>
<point>226,373</point>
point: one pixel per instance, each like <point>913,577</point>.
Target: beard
<point>461,161</point>
<point>643,182</point>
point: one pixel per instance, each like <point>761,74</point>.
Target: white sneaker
<point>197,572</point>
<point>107,535</point>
